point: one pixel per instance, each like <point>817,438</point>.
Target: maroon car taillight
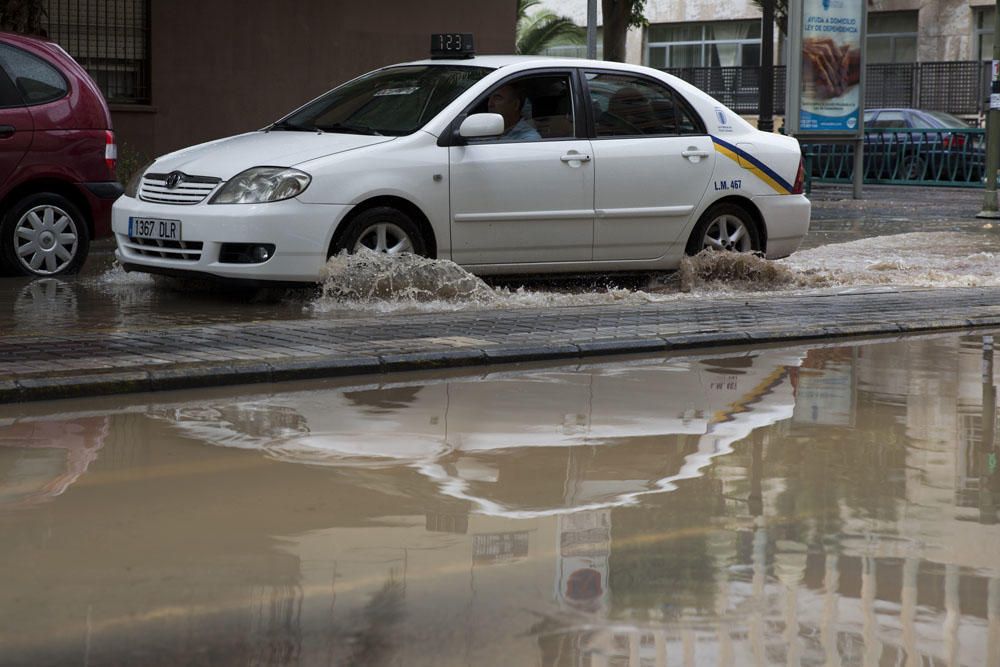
<point>800,178</point>
<point>110,152</point>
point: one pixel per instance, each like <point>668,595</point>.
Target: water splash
<point>368,277</point>
<point>117,275</point>
<point>736,271</point>
<point>369,281</point>
<point>916,259</point>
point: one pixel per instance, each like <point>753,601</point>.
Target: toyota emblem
<point>173,178</point>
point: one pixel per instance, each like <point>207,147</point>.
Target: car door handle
<point>575,157</point>
<point>693,153</point>
<point>6,131</point>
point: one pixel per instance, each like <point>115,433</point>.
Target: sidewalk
<point>187,357</point>
<point>76,364</point>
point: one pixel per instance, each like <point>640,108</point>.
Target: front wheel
<point>382,229</point>
<point>43,235</point>
<point>724,227</point>
<point>912,168</point>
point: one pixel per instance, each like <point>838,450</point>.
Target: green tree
<point>780,13</point>
<point>619,16</point>
<point>23,16</point>
<point>543,29</point>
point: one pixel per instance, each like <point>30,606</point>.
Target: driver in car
<point>508,101</point>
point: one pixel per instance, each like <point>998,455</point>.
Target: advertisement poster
<point>831,65</point>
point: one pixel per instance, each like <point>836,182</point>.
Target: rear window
<point>36,80</point>
<point>947,120</point>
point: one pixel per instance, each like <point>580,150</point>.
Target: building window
<point>715,44</point>
<point>110,39</point>
<point>985,18</point>
<point>892,37</point>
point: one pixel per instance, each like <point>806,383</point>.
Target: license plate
<point>158,230</point>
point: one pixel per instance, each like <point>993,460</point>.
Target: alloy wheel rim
<point>727,232</point>
<point>384,237</point>
<point>45,240</point>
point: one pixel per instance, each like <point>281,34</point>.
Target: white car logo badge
<point>174,178</point>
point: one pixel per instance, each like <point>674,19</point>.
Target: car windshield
<point>392,102</point>
<point>946,119</point>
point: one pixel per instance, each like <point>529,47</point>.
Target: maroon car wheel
<point>43,235</point>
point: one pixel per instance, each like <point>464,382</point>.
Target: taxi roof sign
<point>452,45</point>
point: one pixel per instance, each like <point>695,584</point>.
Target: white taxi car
<point>503,164</point>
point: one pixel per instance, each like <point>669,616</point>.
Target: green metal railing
<point>954,158</point>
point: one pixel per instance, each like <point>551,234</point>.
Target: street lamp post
<point>993,130</point>
<point>592,28</point>
<point>765,119</point>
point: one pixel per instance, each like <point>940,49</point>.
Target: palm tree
<point>543,29</point>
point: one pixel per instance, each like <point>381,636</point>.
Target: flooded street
<point>812,505</point>
<point>896,238</point>
<point>838,255</point>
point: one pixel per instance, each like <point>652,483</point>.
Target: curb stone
<point>74,365</point>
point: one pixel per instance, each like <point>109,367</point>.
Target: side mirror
<point>481,125</point>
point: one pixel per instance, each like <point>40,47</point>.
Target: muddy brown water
<point>814,506</point>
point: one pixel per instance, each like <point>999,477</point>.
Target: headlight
<point>132,187</point>
<point>262,184</point>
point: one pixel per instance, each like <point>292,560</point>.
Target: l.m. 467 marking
<point>734,184</point>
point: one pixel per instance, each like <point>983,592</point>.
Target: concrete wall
<point>229,66</point>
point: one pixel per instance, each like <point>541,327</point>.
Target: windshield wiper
<point>288,125</point>
<point>352,129</point>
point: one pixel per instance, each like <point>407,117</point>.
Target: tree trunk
<point>616,15</point>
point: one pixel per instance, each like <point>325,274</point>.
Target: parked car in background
<point>907,145</point>
<point>57,159</point>
<point>939,146</point>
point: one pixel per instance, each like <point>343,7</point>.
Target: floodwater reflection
<point>814,506</point>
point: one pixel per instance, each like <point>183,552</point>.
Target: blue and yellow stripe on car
<point>755,395</point>
<point>752,164</point>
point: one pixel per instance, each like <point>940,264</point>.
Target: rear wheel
<point>725,227</point>
<point>44,234</point>
<point>912,167</point>
<point>382,229</point>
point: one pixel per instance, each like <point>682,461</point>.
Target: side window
<point>685,121</point>
<point>889,119</point>
<point>9,97</point>
<point>628,106</point>
<point>35,79</point>
<point>534,108</point>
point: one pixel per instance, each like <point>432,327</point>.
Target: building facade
<point>930,54</point>
<point>700,33</point>
<point>179,72</point>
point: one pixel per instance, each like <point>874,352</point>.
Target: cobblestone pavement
<point>87,364</point>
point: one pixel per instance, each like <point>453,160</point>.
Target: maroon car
<point>57,159</point>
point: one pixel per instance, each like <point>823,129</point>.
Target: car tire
<point>57,228</point>
<point>719,229</point>
<point>382,229</point>
<point>912,167</point>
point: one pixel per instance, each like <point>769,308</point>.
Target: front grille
<point>187,251</point>
<point>187,190</point>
